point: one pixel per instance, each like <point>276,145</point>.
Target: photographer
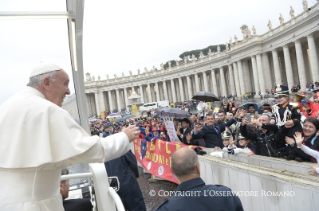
<point>265,137</point>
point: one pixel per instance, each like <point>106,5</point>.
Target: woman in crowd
<point>315,154</point>
<point>244,146</point>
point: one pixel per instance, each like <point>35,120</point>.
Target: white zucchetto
<point>44,68</point>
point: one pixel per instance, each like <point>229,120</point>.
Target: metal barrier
<point>106,197</point>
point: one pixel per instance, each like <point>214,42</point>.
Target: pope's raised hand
<point>132,132</point>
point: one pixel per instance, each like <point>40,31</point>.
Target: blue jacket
<point>212,134</point>
<point>205,199</point>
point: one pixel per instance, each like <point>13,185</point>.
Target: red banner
<point>157,159</point>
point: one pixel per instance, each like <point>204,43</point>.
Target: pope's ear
<point>46,83</point>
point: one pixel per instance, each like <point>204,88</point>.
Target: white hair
<point>36,81</point>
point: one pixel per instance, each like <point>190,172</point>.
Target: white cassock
<point>37,140</point>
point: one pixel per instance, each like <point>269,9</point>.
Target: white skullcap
<point>44,68</point>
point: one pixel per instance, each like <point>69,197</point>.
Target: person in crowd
<point>183,129</point>
<point>107,131</point>
<point>226,136</point>
<point>58,142</point>
<point>315,154</point>
<point>140,126</point>
<point>265,137</point>
<point>221,117</point>
<point>311,140</point>
<point>163,136</point>
<point>193,120</point>
<point>126,170</point>
<point>243,146</point>
<point>211,132</point>
<point>185,167</point>
<point>79,204</point>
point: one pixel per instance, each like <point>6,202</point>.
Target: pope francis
<point>42,139</point>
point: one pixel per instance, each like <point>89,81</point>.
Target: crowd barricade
<point>262,183</point>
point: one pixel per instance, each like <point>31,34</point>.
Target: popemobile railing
<point>106,197</point>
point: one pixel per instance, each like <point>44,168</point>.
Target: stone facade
<point>286,54</point>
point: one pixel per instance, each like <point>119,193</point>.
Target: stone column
<point>165,91</point>
<point>241,78</point>
<point>97,103</point>
<point>313,56</point>
<point>223,82</point>
<point>205,82</point>
<point>214,83</point>
<point>181,90</point>
<point>261,78</point>
<point>142,94</point>
<point>157,92</point>
<point>290,77</point>
<point>301,65</point>
<point>231,79</point>
<point>173,90</point>
<point>276,67</point>
<point>196,83</point>
<point>148,91</point>
<point>118,99</point>
<point>189,87</point>
<point>236,80</point>
<point>110,101</point>
<point>255,74</point>
<point>267,74</point>
<point>125,97</point>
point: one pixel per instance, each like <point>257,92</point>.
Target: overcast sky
<point>126,35</point>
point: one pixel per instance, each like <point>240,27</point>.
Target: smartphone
<point>248,117</point>
<point>180,124</point>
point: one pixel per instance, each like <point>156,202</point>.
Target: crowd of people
<point>235,128</point>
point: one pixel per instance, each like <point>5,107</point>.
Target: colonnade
<point>287,55</point>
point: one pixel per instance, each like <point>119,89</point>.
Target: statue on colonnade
<point>201,55</point>
<point>123,74</point>
<point>154,68</point>
<point>270,25</point>
<point>185,59</point>
<point>177,62</point>
<point>236,39</point>
<point>88,77</point>
<point>305,5</point>
<point>98,78</point>
<point>115,76</point>
<point>218,49</point>
<point>245,31</point>
<point>209,52</point>
<point>193,57</point>
<point>130,72</point>
<point>292,12</point>
<point>162,66</point>
<point>138,71</point>
<point>254,30</point>
<point>226,46</point>
<point>169,64</point>
<point>281,19</point>
<point>93,78</point>
<point>230,42</point>
<point>107,76</point>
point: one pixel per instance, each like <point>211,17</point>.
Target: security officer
<point>287,116</point>
<point>192,193</point>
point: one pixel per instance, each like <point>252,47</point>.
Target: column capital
<point>297,41</point>
<point>310,35</point>
<point>274,50</point>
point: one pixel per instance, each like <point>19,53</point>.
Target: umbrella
<point>128,116</point>
<point>171,112</point>
<point>119,120</point>
<point>205,96</point>
<point>113,115</point>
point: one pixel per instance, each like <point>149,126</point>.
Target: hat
<point>240,137</point>
<point>226,135</point>
<point>161,121</point>
<point>44,68</point>
<point>139,122</point>
<point>299,96</point>
<point>281,90</point>
<point>154,129</point>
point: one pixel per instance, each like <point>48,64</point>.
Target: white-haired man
<point>46,140</point>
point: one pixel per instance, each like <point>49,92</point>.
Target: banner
<point>156,157</point>
<point>170,128</point>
